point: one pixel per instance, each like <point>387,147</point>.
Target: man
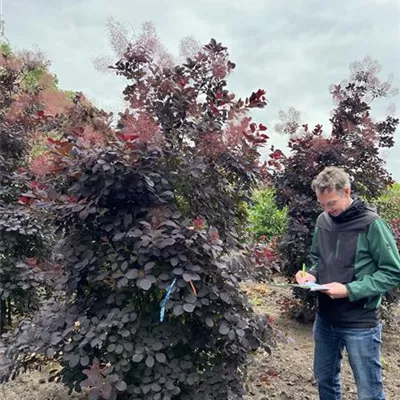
<point>355,256</point>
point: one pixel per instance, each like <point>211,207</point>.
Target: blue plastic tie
<point>164,302</point>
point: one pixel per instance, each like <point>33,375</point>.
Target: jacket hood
<point>357,210</point>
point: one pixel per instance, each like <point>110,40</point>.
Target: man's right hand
<point>302,278</point>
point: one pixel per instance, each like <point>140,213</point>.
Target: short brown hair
<point>331,178</point>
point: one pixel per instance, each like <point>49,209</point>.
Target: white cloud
<point>293,49</point>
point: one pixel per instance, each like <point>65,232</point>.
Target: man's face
<point>334,202</point>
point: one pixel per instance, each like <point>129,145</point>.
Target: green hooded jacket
<point>356,249</point>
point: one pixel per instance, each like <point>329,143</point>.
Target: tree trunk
<point>9,313</point>
<point>3,316</point>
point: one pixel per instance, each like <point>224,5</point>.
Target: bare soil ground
<point>287,374</point>
<point>284,375</point>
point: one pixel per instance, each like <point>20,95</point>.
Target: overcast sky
<point>294,49</point>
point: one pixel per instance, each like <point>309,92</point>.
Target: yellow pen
<point>304,270</point>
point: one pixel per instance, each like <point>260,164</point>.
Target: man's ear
<point>347,191</point>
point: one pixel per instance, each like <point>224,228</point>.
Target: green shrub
<point>266,220</point>
<point>389,203</point>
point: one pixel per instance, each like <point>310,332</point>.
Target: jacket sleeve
<point>314,254</point>
<point>386,257</point>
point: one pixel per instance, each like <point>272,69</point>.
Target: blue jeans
<point>363,347</point>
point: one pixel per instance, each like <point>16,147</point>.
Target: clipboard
<point>314,287</point>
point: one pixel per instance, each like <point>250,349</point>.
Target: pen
<point>304,270</point>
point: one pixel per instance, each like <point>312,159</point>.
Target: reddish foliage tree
<point>151,215</point>
<point>25,88</point>
<point>353,144</point>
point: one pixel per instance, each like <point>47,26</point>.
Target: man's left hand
<point>336,290</point>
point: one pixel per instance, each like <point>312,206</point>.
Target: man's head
<point>332,187</point>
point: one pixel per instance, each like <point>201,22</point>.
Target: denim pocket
<point>377,333</point>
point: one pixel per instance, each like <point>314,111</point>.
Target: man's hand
<point>336,290</point>
<point>302,278</point>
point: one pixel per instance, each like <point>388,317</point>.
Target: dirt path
<point>287,374</point>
